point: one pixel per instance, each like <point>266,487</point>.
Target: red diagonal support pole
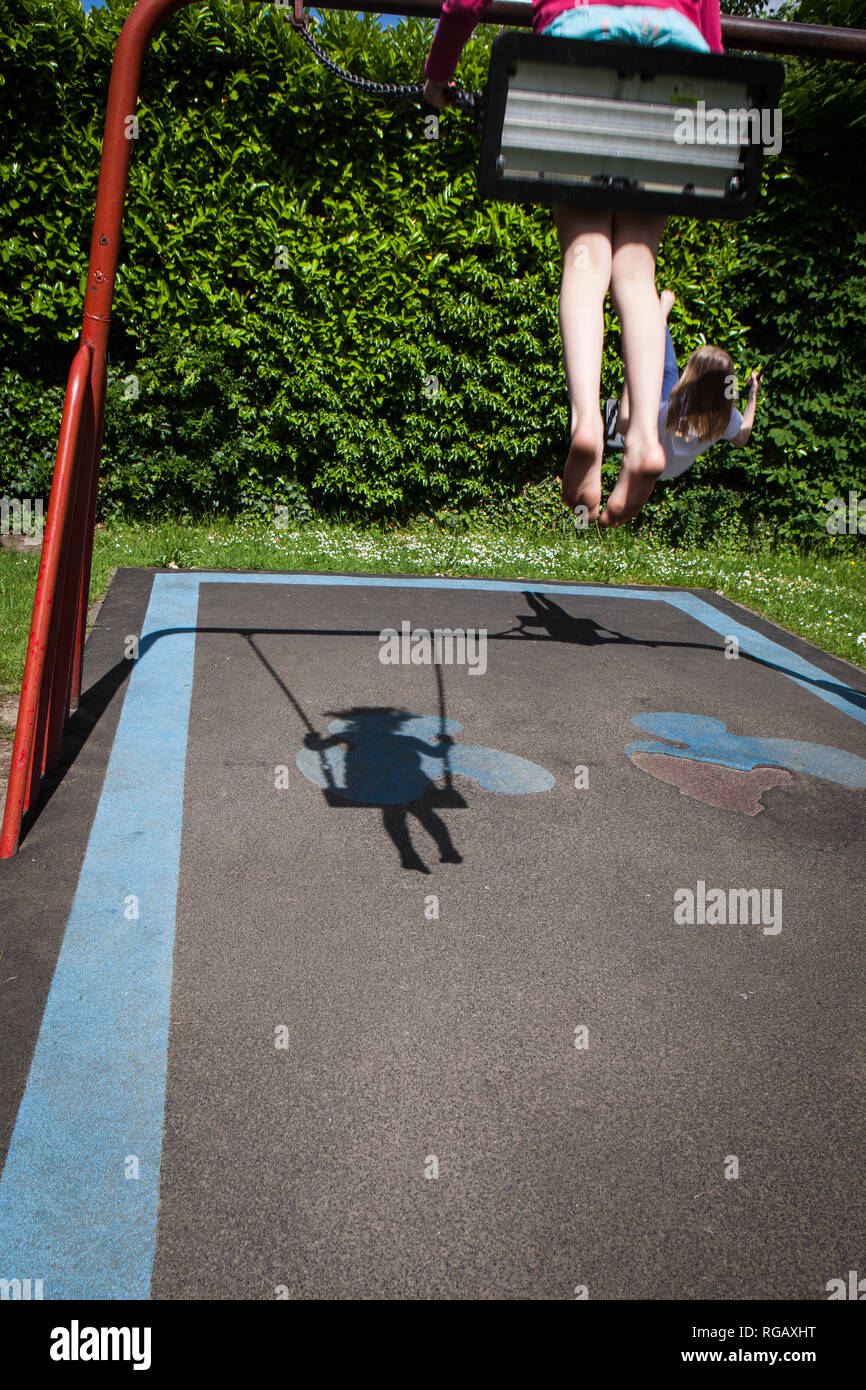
<point>139,29</point>
<point>31,730</point>
<point>52,672</point>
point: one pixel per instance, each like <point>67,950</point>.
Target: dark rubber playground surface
<point>238,1041</point>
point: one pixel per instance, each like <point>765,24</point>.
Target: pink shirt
<point>459,18</point>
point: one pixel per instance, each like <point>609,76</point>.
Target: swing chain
<point>466,101</point>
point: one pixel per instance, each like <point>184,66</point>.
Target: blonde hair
<point>700,403</point>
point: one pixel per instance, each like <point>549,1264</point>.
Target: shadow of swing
<point>391,771</point>
<point>383,764</point>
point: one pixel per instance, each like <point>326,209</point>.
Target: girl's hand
<point>437,93</point>
<point>754,383</point>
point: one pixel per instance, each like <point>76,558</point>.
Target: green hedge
<point>800,281</point>
<point>242,376</point>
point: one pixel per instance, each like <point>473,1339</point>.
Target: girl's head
<point>701,402</point>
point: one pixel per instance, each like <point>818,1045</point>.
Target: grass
<point>821,597</point>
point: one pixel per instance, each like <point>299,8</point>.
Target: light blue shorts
<point>643,24</point>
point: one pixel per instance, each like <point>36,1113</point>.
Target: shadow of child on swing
<point>372,756</point>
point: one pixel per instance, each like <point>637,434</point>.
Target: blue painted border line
<point>96,1090</point>
<point>789,664</point>
<point>792,666</point>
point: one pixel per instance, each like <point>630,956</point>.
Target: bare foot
<point>581,475</point>
<point>643,464</point>
<point>667,299</point>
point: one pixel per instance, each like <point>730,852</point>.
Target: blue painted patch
<point>708,741</point>
<point>389,758</point>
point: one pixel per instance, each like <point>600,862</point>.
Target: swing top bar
<point>756,35</point>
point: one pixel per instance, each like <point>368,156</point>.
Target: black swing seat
<point>612,125</point>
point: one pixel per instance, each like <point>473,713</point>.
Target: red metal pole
<point>67,598</point>
<point>141,24</point>
<point>38,654</point>
<point>135,36</point>
<point>87,558</point>
<point>52,671</point>
<point>46,707</point>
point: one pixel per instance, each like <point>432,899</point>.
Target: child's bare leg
<point>667,299</point>
<point>635,245</point>
<point>584,238</point>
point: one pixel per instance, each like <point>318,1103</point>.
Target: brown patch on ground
<point>8,715</point>
<point>24,545</point>
<point>728,788</point>
<point>8,710</point>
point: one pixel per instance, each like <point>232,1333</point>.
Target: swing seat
<point>612,125</point>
